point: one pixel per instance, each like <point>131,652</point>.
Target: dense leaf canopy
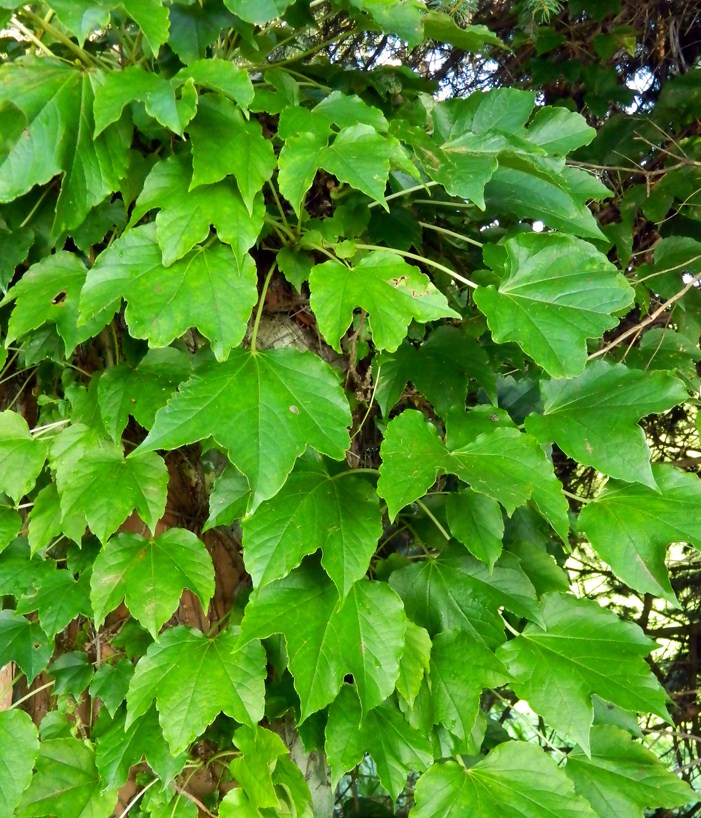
<point>348,408</point>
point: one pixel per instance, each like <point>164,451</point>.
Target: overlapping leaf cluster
<point>176,178</point>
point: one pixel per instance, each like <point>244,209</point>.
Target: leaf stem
<point>261,304</point>
<point>405,192</point>
<point>139,795</point>
<point>370,403</point>
<point>431,516</point>
<point>37,430</point>
<point>278,203</point>
<point>59,36</point>
<point>451,233</point>
<point>421,259</point>
<point>583,500</point>
<point>351,472</point>
<point>30,694</point>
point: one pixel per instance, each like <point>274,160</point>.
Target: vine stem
<point>639,327</point>
<point>405,192</point>
<point>37,430</point>
<point>370,403</point>
<point>422,260</point>
<point>261,304</point>
<point>583,500</point>
<point>41,23</point>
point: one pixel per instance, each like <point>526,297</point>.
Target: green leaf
<point>72,671</point>
<point>461,667</point>
<point>208,276</point>
<point>57,598</point>
<point>224,143</point>
<point>81,20</point>
<point>556,292</point>
<point>229,498</point>
<point>622,777</point>
<point>442,27</point>
<point>150,575</point>
<point>630,526</point>
<point>193,28</point>
<point>412,458</point>
<point>440,369</point>
<point>135,84</point>
<point>260,750</point>
<point>339,515</point>
<point>110,683</point>
<point>136,483</point>
<point>364,636</point>
<point>48,293</point>
<point>152,18</point>
<point>393,293</point>
<point>593,418</point>
<point>19,573</point>
<point>119,749</point>
<point>532,190</point>
<point>18,749</point>
<point>298,163</point>
<point>476,521</point>
<point>186,215</point>
<point>581,649</point>
<point>66,783</point>
<point>345,110</point>
<point>194,678</point>
<point>516,780</point>
<point>401,17</point>
<point>140,391</point>
<point>221,76</point>
<point>504,464</point>
<point>559,131</point>
<point>414,663</point>
<point>396,748</point>
<point>25,643</point>
<point>21,455</point>
<point>360,156</point>
<point>257,11</point>
<point>264,408</point>
<point>58,103</point>
<point>454,591</point>
<point>10,524</point>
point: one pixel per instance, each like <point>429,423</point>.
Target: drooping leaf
<point>257,11</point>
<point>457,592</point>
<point>187,290</point>
<point>260,750</point>
<point>18,749</point>
<point>414,663</point>
<point>224,143</point>
<point>150,575</point>
<point>152,18</point>
<point>21,455</point>
<point>72,672</point>
<point>623,777</point>
<point>10,524</point>
<point>25,643</point>
<point>185,215</point>
<point>136,84</point>
<point>136,483</point>
<point>364,636</point>
<point>229,498</point>
<point>48,293</point>
<point>581,649</point>
<point>193,28</point>
<point>57,598</point>
<point>593,418</point>
<point>118,749</point>
<point>440,368</point>
<point>393,293</point>
<point>631,525</point>
<point>110,683</point>
<point>559,131</point>
<point>222,76</point>
<point>66,783</point>
<point>264,409</point>
<point>81,20</point>
<point>442,27</point>
<point>19,573</point>
<point>360,156</point>
<point>339,515</point>
<point>516,780</point>
<point>298,164</point>
<point>140,391</point>
<point>476,521</point>
<point>461,667</point>
<point>58,102</point>
<point>401,17</point>
<point>556,291</point>
<point>396,748</point>
<point>193,678</point>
